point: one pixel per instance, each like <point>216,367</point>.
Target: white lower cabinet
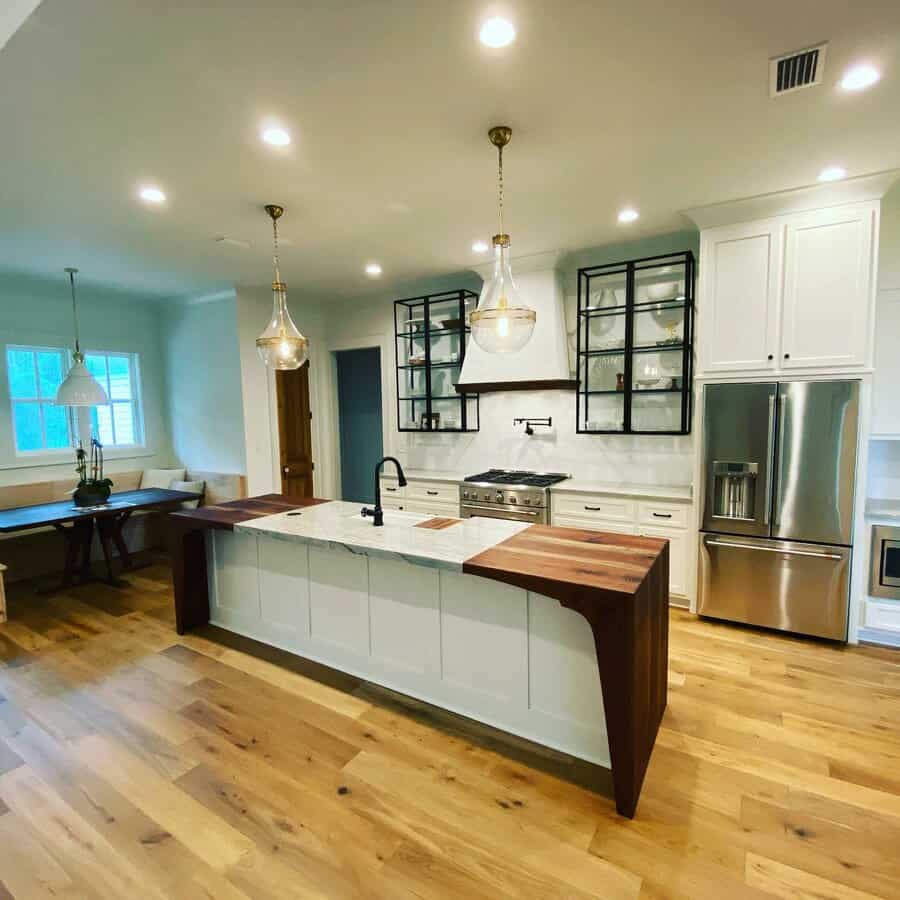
<point>426,498</point>
<point>622,515</point>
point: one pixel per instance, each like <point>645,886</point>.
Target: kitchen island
<point>557,635</point>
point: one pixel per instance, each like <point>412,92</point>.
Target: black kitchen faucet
<point>377,513</point>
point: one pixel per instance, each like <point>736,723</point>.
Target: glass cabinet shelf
<point>430,337</point>
<point>635,346</point>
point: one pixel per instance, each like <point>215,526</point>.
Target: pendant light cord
<point>500,187</point>
<point>275,242</point>
<point>74,309</point>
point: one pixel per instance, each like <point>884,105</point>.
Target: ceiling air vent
<point>800,69</point>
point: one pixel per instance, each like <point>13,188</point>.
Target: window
<point>118,423</point>
<point>35,373</point>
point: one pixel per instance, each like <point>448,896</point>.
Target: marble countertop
<point>654,491</point>
<point>883,508</point>
<point>423,475</point>
<point>337,524</point>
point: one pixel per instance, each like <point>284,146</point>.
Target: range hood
<point>543,363</point>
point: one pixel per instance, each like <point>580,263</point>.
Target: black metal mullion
<point>629,346</point>
<point>461,356</point>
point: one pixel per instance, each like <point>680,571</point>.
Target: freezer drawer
<point>778,584</point>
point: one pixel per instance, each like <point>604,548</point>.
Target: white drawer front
<point>390,488</point>
<point>433,491</point>
<point>592,524</point>
<point>431,508</point>
<point>390,502</point>
<point>665,515</point>
<point>594,506</point>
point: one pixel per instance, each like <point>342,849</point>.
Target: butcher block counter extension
<point>557,635</point>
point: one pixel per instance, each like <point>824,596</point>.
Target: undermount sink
<point>392,518</point>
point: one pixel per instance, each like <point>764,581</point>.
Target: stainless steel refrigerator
<point>777,529</point>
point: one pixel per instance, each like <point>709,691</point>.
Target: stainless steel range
<point>507,494</point>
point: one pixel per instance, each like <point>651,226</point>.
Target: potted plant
<point>93,489</point>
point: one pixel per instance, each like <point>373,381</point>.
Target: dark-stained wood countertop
<point>227,515</point>
<point>620,584</point>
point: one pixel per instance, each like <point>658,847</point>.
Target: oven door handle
<point>495,513</point>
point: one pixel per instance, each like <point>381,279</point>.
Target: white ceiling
<point>655,103</point>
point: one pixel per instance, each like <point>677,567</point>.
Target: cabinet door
<point>678,563</point>
<point>827,303</point>
<point>738,310</point>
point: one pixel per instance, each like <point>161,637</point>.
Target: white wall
<point>39,312</point>
<point>642,459</point>
<point>203,384</point>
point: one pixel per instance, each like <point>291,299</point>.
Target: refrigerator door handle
<point>779,474</point>
<point>710,543</point>
<point>770,461</point>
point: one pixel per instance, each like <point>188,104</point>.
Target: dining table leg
<point>78,538</point>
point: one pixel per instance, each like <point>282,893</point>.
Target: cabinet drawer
<point>432,509</point>
<point>593,506</point>
<point>666,515</point>
<point>390,488</point>
<point>433,491</point>
<point>390,502</point>
<point>593,524</point>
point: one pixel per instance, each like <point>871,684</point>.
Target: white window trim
<point>42,452</point>
<point>137,401</point>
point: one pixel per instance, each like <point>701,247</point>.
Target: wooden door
<point>828,288</point>
<point>738,309</point>
<point>294,432</point>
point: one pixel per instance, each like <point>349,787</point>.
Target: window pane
<point>22,382</point>
<point>119,380</point>
<point>102,422</point>
<point>49,372</point>
<point>27,421</point>
<point>124,420</point>
<point>96,365</point>
<point>56,424</point>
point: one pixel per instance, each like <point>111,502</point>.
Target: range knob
<point>527,501</point>
<point>513,498</point>
<point>499,496</point>
<point>486,498</point>
<point>465,495</point>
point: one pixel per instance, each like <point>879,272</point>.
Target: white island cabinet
<point>393,606</point>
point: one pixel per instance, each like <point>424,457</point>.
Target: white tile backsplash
<point>634,459</point>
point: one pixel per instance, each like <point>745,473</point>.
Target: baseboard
<point>879,636</point>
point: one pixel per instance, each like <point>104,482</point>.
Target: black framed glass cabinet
<point>431,333</point>
<point>635,346</point>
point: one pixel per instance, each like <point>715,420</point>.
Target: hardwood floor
<point>134,763</point>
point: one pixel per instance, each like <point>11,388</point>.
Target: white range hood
<point>543,363</point>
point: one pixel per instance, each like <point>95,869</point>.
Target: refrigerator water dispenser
<point>734,490</point>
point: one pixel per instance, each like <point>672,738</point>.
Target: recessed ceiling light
<point>150,194</point>
<point>479,247</point>
<point>628,215</point>
<point>373,270</point>
<point>858,78</point>
<point>497,32</point>
<point>278,137</point>
<point>833,173</point>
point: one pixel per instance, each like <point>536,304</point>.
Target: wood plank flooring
<point>134,763</point>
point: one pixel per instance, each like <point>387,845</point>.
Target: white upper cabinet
<point>828,288</point>
<point>790,293</point>
<point>738,308</point>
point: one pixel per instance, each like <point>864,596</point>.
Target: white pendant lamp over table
<point>281,346</point>
<point>502,323</point>
<point>80,388</point>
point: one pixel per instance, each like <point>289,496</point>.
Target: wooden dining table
<point>77,524</point>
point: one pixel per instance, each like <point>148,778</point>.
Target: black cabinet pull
<point>662,515</point>
<point>594,508</point>
<point>771,356</point>
<point>787,355</point>
<point>390,489</point>
<point>432,493</point>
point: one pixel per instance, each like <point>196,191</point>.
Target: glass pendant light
<point>502,323</point>
<point>281,346</point>
<point>80,388</point>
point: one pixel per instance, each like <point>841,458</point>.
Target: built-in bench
<point>36,552</point>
